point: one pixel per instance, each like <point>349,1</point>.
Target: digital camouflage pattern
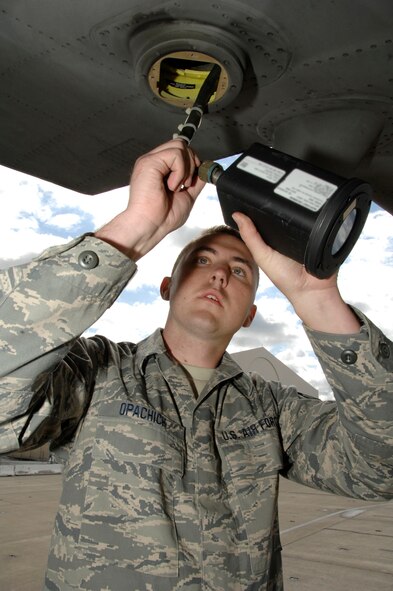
<point>162,490</point>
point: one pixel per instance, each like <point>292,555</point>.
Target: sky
<point>36,214</point>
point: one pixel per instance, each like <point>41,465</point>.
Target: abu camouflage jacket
<point>163,491</point>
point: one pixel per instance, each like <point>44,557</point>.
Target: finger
<point>174,161</point>
<point>176,143</point>
<point>196,187</point>
<point>248,232</point>
<point>183,168</point>
<point>169,165</point>
<point>194,164</point>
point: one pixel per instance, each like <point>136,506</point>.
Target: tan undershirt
<point>199,376</point>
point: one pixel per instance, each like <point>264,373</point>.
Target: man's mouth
<point>213,298</point>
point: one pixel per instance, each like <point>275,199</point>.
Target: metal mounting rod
<point>195,113</point>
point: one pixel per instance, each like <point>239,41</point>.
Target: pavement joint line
<point>362,533</point>
<point>355,563</point>
<point>358,511</point>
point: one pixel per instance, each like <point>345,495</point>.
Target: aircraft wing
<point>87,87</point>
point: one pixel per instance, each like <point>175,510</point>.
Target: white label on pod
<point>264,171</point>
<point>305,189</point>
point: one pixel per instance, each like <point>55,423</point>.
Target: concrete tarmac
<point>329,542</point>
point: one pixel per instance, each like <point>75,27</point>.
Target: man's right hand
<point>163,190</point>
<point>317,302</point>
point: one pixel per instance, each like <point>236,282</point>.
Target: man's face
<point>212,290</point>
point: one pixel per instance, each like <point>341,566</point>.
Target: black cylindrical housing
<point>309,214</point>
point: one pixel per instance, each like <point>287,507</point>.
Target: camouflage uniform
<point>163,491</point>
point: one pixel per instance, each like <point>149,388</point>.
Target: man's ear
<point>165,288</point>
<point>250,316</point>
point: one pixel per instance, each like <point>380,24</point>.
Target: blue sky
<point>37,214</point>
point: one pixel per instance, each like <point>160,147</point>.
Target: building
<point>268,366</point>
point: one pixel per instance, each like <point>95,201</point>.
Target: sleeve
<point>345,446</point>
<point>45,306</point>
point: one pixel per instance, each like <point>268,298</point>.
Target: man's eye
<point>239,271</point>
<point>202,260</point>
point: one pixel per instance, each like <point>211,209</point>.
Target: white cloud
<point>17,247</point>
<point>126,322</point>
<point>64,220</point>
<point>365,279</point>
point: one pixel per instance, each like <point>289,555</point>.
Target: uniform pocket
<point>251,472</point>
<point>129,516</point>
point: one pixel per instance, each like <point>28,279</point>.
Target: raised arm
<point>317,302</point>
<point>45,368</point>
<point>163,190</point>
<point>344,446</point>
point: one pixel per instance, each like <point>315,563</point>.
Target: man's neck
<point>191,350</point>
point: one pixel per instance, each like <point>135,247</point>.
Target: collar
<point>153,345</point>
<point>228,369</point>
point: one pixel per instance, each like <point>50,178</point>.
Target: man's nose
<point>220,275</point>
